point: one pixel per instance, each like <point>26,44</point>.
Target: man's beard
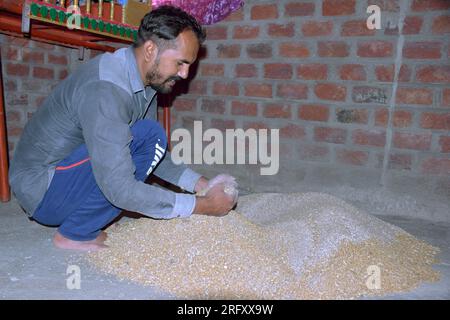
<point>153,79</point>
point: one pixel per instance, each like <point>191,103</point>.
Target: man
<point>85,154</point>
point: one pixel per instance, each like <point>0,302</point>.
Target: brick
<point>35,85</point>
<point>255,125</point>
<point>373,137</point>
<point>314,152</point>
<point>427,5</point>
<point>63,74</point>
<point>352,157</point>
<point>197,87</point>
<point>401,119</point>
<point>412,25</point>
<point>444,143</point>
<point>11,148</point>
<point>338,7</point>
<point>422,50</point>
<point>245,32</point>
<point>213,106</point>
<point>281,30</point>
<point>246,71</point>
<point>237,15</point>
<point>312,71</point>
<point>276,110</point>
<point>263,12</point>
<point>292,131</point>
<point>12,53</point>
<point>400,161</point>
<point>294,50</point>
<point>56,59</point>
<point>337,49</point>
<point>18,41</point>
<point>184,104</point>
<point>317,28</point>
<point>212,70</point>
<point>244,108</point>
<point>437,121</point>
<point>446,97</point>
<point>436,166</point>
<point>434,74</point>
<point>262,90</point>
<point>259,51</point>
<point>216,32</point>
<point>397,161</point>
<point>45,46</point>
<point>313,112</point>
<point>405,140</point>
<point>331,135</point>
<point>356,28</point>
<point>422,96</point>
<point>352,72</point>
<point>387,5</point>
<point>228,51</point>
<point>292,91</point>
<point>441,25</point>
<point>278,71</point>
<point>38,101</point>
<point>223,124</point>
<point>366,94</point>
<point>10,85</point>
<point>16,69</point>
<point>226,88</point>
<point>375,49</point>
<point>43,73</point>
<point>17,99</point>
<point>13,116</point>
<point>14,131</point>
<point>385,73</point>
<point>296,9</point>
<point>360,116</point>
<point>330,91</point>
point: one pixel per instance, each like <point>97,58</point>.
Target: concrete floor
<point>31,268</point>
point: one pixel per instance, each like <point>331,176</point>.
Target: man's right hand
<point>215,203</point>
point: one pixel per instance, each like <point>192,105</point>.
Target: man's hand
<point>215,203</point>
<point>201,184</point>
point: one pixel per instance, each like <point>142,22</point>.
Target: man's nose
<point>184,71</point>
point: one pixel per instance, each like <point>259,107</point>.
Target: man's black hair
<point>166,23</point>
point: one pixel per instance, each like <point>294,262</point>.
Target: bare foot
<point>92,245</point>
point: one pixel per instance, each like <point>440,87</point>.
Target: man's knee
<point>150,129</point>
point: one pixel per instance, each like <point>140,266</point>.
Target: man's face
<point>172,64</point>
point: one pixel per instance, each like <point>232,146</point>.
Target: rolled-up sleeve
<point>103,113</point>
<point>179,175</point>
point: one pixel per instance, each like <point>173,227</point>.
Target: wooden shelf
<point>42,29</point>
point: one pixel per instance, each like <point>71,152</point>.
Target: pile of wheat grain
<point>274,246</point>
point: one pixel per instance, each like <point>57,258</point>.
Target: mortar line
<point>392,101</point>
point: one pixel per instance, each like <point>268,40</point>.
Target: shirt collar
<point>135,77</point>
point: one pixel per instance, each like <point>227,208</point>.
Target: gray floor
<point>31,268</point>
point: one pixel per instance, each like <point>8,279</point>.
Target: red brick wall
<point>311,69</point>
<point>30,70</point>
<point>314,70</point>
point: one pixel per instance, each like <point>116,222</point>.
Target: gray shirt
<point>97,105</point>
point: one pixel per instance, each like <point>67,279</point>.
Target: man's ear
<point>150,51</point>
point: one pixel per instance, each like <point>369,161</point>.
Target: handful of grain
<point>280,246</point>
